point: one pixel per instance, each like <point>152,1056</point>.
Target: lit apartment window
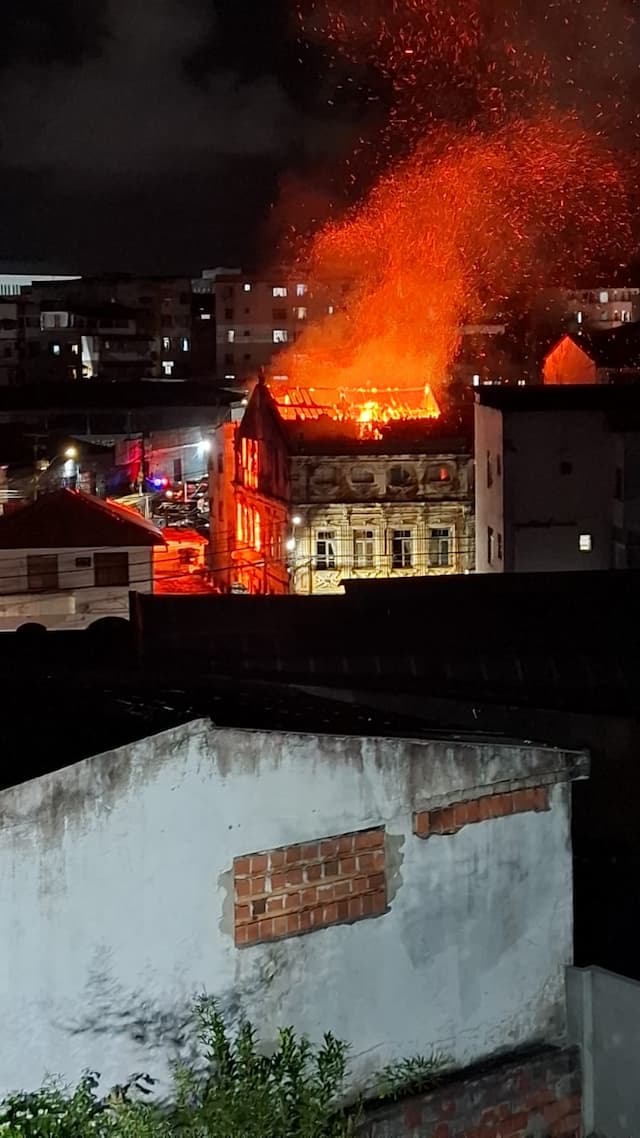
<point>604,298</point>
<point>440,548</point>
<point>231,335</point>
<point>279,290</point>
<point>326,549</point>
<point>168,366</point>
<point>280,336</point>
<point>205,315</point>
<point>246,286</point>
<point>166,343</point>
<point>56,349</point>
<point>301,313</point>
<point>330,310</point>
<point>585,543</point>
<point>401,549</point>
<point>579,317</point>
<point>363,548</point>
<point>184,344</point>
<point>301,290</point>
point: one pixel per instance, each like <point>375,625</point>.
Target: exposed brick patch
<point>512,1099</point>
<point>309,886</point>
<point>451,819</point>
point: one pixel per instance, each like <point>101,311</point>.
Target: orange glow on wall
<point>249,460</point>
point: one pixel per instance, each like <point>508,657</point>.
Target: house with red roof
<point>69,559</point>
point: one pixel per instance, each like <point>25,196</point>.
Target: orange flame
<point>463,220</point>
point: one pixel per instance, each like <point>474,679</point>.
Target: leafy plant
<point>294,1092</point>
<point>236,1092</point>
<point>410,1076</point>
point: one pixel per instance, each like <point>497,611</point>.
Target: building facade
<point>69,559</point>
<point>420,874</point>
<point>257,317</point>
<point>299,506</point>
<point>108,327</point>
<point>557,479</point>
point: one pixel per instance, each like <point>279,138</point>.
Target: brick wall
<point>297,889</point>
<point>538,1095</point>
<point>451,818</point>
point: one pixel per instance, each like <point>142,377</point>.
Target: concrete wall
<point>604,1020</point>
<point>77,602</point>
<point>116,901</point>
<point>489,513</point>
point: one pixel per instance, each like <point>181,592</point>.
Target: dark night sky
<point>148,134</point>
<point>154,135</point>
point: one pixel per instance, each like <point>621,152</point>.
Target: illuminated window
<point>438,474</point>
<point>330,310</point>
<point>56,349</point>
<point>279,290</point>
<point>579,317</point>
<point>326,549</point>
<point>363,548</point>
<point>301,290</point>
<point>280,336</point>
<point>231,335</point>
<point>401,549</point>
<point>75,349</point>
<point>168,366</point>
<point>166,343</point>
<point>257,531</point>
<point>440,547</point>
<point>239,525</point>
<point>247,287</point>
<point>205,315</point>
<point>184,344</point>
<point>585,543</point>
<point>604,297</point>
<point>301,313</point>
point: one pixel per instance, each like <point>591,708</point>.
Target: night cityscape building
<point>299,504</point>
<point>557,478</point>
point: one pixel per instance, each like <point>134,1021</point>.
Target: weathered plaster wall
<point>116,901</point>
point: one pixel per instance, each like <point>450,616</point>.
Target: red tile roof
<point>70,519</point>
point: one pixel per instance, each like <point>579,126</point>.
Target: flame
<point>519,198</point>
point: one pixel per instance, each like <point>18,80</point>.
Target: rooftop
<point>605,397</point>
<point>80,719</point>
<point>70,519</point>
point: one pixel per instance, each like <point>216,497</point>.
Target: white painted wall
<point>490,498</point>
<point>77,602</point>
<point>116,903</point>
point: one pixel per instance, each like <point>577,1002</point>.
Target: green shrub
<point>237,1092</point>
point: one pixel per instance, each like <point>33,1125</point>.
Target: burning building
<point>304,496</point>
